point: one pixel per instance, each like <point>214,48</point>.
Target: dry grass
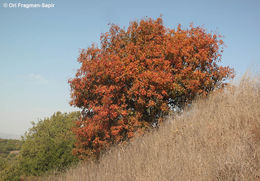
<point>216,139</point>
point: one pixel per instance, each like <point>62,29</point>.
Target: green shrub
<point>48,144</point>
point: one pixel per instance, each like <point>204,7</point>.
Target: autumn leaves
<point>130,82</point>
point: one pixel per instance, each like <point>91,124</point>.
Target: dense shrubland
<point>9,150</point>
<point>7,146</point>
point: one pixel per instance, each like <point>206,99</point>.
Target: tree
<point>48,145</point>
<point>137,75</point>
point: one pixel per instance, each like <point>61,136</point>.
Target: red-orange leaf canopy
<point>137,75</point>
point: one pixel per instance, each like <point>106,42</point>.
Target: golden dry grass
<point>217,138</point>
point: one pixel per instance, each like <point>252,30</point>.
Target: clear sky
<point>39,46</point>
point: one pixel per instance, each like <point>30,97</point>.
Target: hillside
<point>9,146</point>
<point>216,139</point>
<point>10,136</point>
<point>9,151</point>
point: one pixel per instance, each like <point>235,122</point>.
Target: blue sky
<point>39,47</point>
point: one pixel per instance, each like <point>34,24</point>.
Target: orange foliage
<point>137,75</point>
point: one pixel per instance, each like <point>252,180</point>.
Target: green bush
<point>48,144</point>
<point>11,171</point>
<point>45,147</point>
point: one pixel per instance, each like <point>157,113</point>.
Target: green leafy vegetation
<point>47,146</point>
<point>9,153</point>
<point>9,146</point>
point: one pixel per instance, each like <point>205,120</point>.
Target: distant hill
<point>10,136</point>
<point>8,146</point>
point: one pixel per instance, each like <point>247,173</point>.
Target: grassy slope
<point>217,139</point>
